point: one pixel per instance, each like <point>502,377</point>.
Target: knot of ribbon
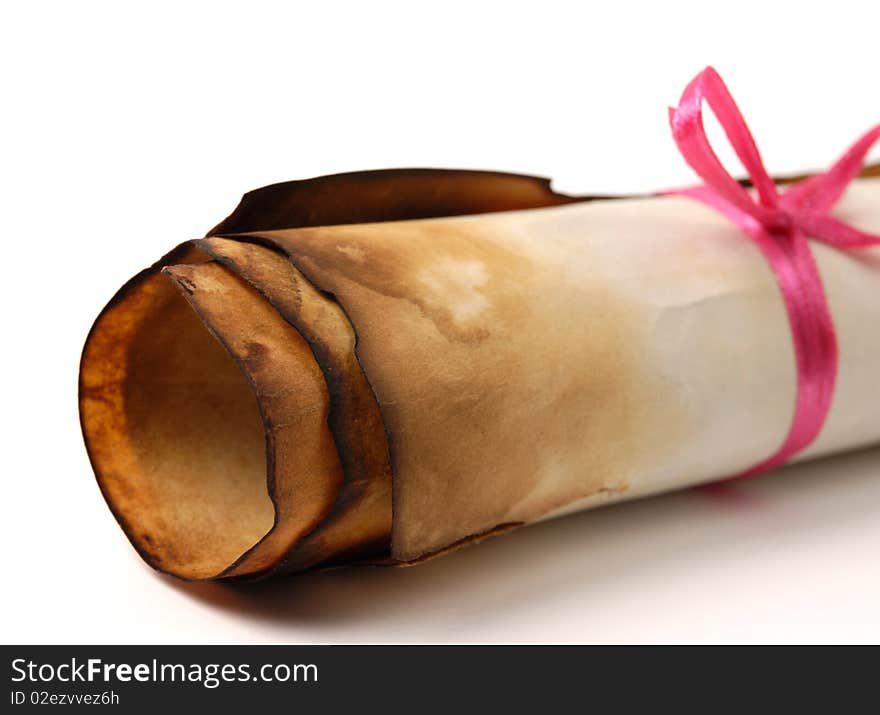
<point>780,224</point>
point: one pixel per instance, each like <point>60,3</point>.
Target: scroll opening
<point>175,433</point>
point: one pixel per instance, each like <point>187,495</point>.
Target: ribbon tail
<point>835,232</point>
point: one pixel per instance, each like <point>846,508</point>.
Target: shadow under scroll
<point>591,554</point>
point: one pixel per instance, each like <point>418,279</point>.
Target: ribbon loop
<point>779,224</point>
<point>690,135</point>
<point>821,192</point>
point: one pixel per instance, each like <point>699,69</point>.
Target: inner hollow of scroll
<point>189,479</point>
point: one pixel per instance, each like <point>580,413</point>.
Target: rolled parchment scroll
<point>381,367</point>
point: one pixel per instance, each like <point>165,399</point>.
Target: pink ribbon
<point>779,223</point>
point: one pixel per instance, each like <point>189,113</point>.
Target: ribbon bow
<point>779,223</point>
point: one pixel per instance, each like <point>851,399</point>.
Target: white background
<point>125,131</point>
